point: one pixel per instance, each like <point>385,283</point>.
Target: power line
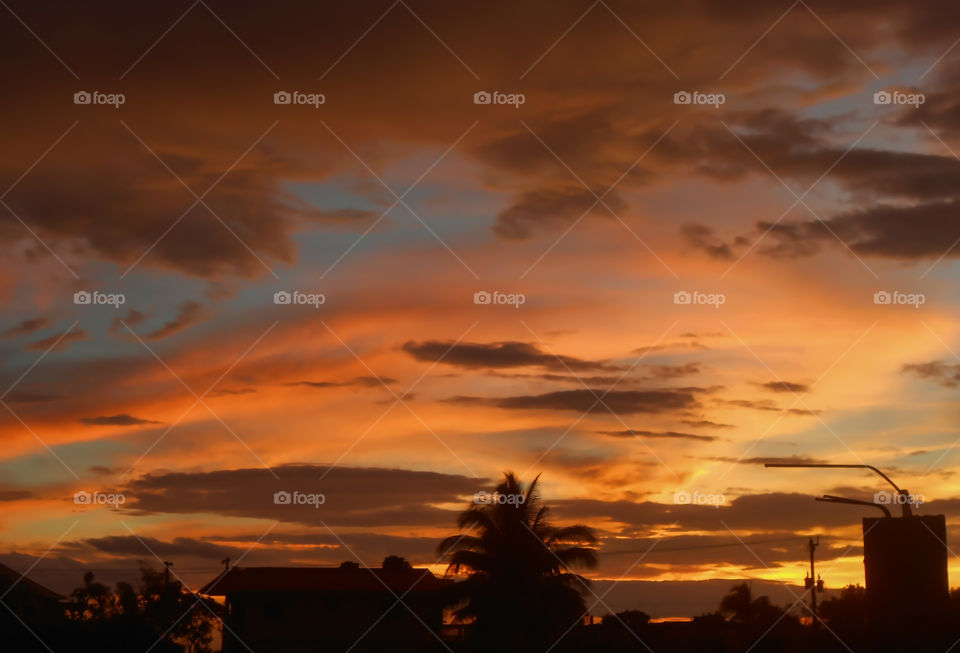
<point>97,570</point>
<point>695,547</point>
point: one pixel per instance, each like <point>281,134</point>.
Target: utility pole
<point>812,582</point>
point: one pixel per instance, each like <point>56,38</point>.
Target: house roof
<point>23,585</point>
<point>306,579</point>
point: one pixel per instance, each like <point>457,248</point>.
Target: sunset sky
<point>788,206</point>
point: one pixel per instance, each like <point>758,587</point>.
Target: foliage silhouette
<point>520,592</point>
<point>847,613</point>
<point>740,606</point>
<point>159,609</point>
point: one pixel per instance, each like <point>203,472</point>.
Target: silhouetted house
<point>31,602</point>
<point>29,607</point>
<point>294,609</point>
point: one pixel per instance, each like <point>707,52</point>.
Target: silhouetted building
<point>294,609</point>
<point>905,567</point>
<point>30,601</point>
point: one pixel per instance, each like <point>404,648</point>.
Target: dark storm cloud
<point>594,380</point>
<point>697,552</point>
<point>77,385</point>
<point>476,355</point>
<point>57,342</point>
<point>757,513</point>
<point>923,230</point>
<point>351,217</point>
<point>362,381</point>
<point>27,397</point>
<point>131,319</point>
<point>619,401</point>
<point>945,374</point>
<point>797,150</point>
<point>683,345</point>
<point>784,386</point>
<point>354,496</point>
<point>705,423</point>
<point>538,208</point>
<point>188,314</point>
<point>672,371</point>
<point>647,373</point>
<point>803,149</point>
<point>670,435</point>
<point>14,495</point>
<point>25,328</point>
<point>579,141</point>
<point>763,460</point>
<point>232,392</point>
<point>765,405</point>
<point>115,420</point>
<point>702,237</point>
<point>597,118</point>
<point>141,547</point>
<point>142,202</point>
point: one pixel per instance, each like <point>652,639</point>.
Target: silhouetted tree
<point>954,604</point>
<point>847,612</point>
<point>520,591</point>
<point>740,606</point>
<point>396,563</point>
<point>632,618</point>
<point>159,609</point>
<point>93,601</point>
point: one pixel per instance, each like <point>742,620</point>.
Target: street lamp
<point>903,495</point>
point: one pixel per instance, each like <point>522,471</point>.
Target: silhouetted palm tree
<point>740,605</point>
<point>520,591</point>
